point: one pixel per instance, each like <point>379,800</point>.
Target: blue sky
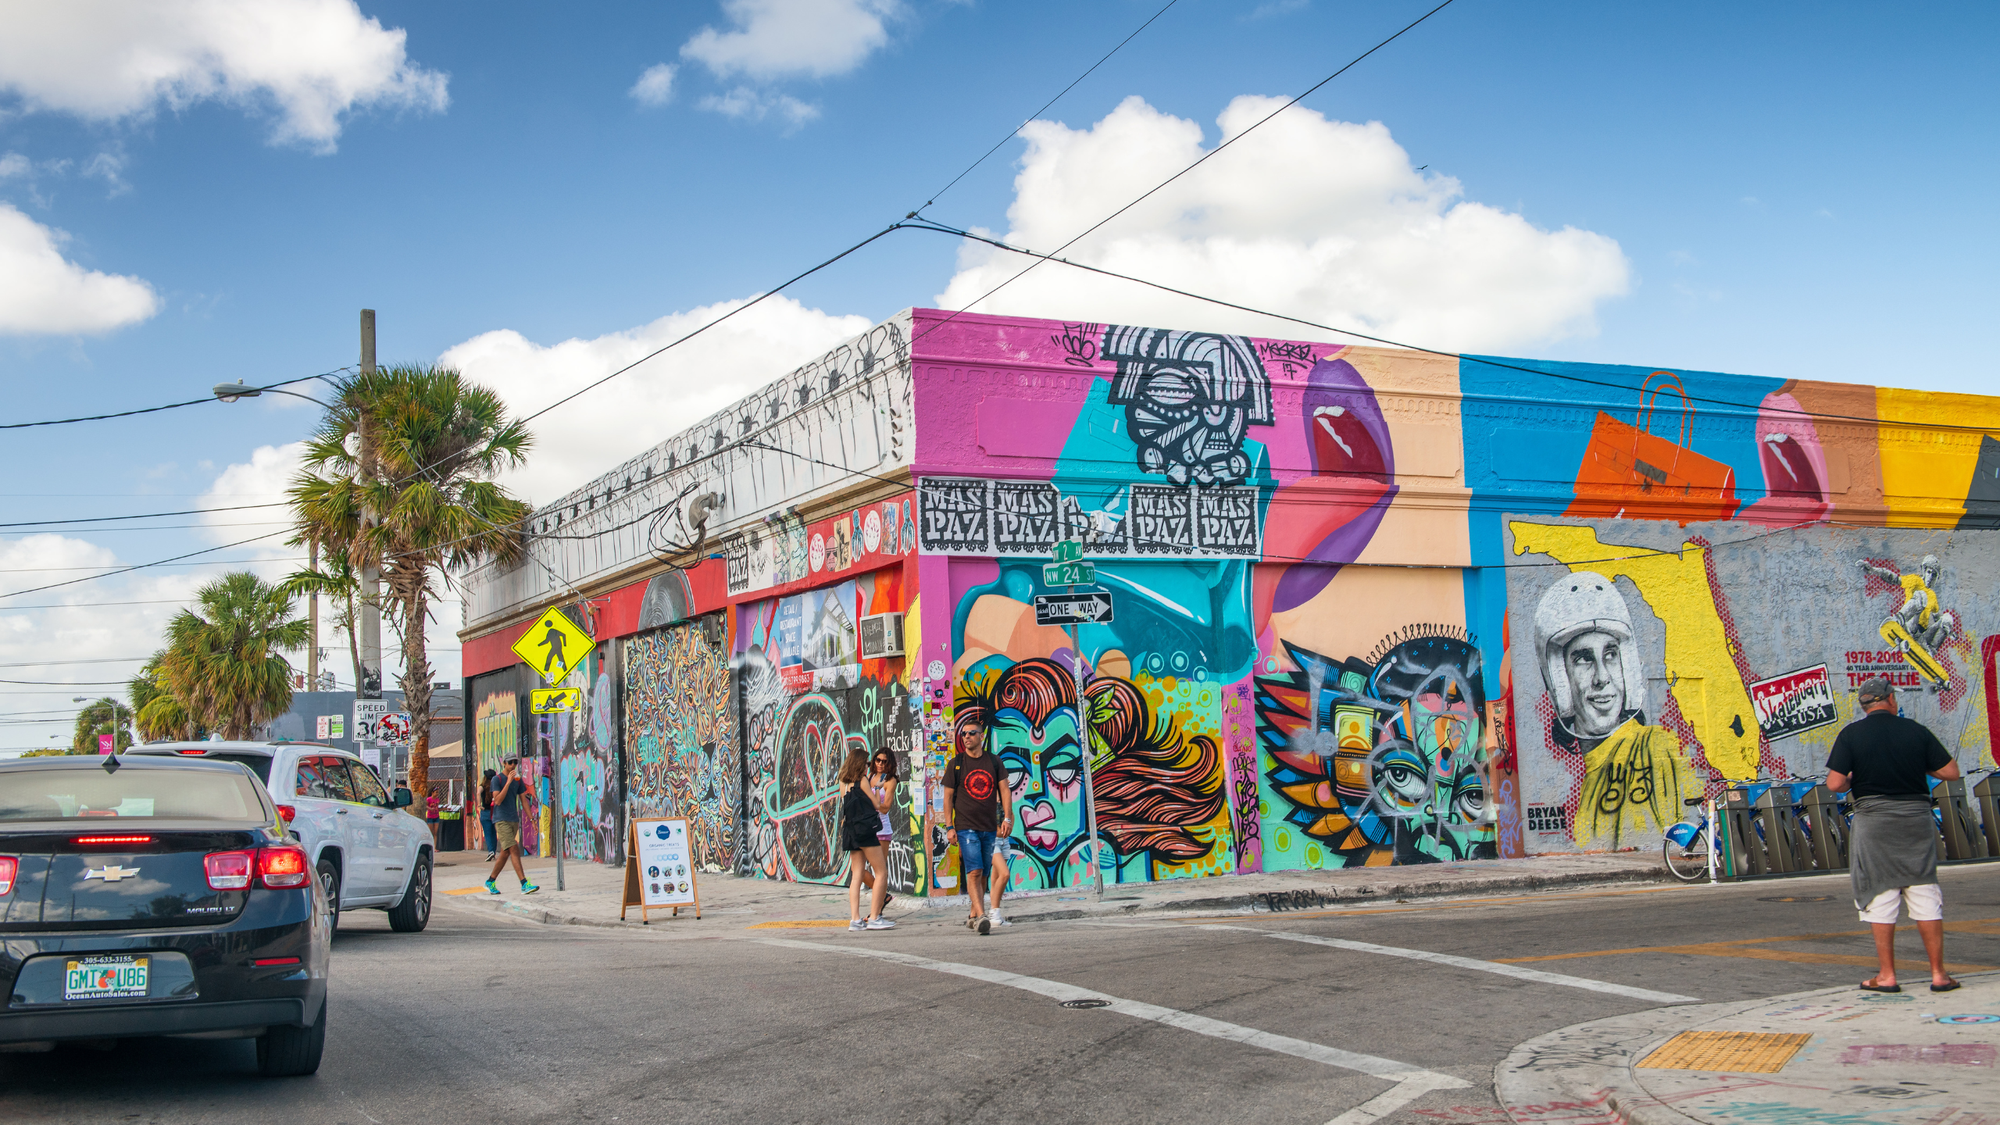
<point>1784,190</point>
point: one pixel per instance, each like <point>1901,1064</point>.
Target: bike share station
<point>1772,828</point>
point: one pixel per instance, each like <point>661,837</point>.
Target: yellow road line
<point>466,891</point>
<point>1739,948</point>
<point>1286,915</point>
<point>803,924</point>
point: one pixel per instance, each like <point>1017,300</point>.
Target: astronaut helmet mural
<point>1632,774</point>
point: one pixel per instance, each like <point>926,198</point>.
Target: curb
<point>1588,1066</point>
<point>1023,908</point>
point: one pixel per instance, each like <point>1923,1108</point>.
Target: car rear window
<point>260,764</point>
<point>162,794</point>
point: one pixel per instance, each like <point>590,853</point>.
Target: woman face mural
<point>1029,710</point>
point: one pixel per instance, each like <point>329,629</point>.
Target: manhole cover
<point>1092,1003</point>
<point>1798,898</point>
<point>1739,1052</point>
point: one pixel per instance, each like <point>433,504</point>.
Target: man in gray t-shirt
<point>507,791</point>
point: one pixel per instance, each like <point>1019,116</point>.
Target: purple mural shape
<point>1188,396</point>
<point>1347,437</point>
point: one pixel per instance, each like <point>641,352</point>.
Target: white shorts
<point>1926,903</point>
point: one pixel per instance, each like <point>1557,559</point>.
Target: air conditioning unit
<point>881,635</point>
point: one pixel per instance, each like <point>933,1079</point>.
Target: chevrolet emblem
<point>110,872</point>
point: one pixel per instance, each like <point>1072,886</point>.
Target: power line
<point>146,515</point>
<point>158,562</point>
<point>94,605</point>
<point>152,409</point>
<point>1198,162</point>
<point>204,562</point>
<point>939,193</point>
<point>72,683</point>
<point>94,660</point>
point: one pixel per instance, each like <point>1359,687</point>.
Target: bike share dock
<point>1771,828</point>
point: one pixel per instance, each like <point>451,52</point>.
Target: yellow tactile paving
<point>1738,1052</point>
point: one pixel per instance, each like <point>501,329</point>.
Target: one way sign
<point>1072,609</point>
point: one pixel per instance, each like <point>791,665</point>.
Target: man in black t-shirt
<point>1892,858</point>
<point>977,805</point>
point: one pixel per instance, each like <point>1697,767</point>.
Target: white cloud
<point>1319,219</point>
<point>578,441</point>
<point>263,480</point>
<point>655,87</point>
<point>312,61</point>
<point>793,38</point>
<point>746,104</point>
<point>43,292</point>
<point>15,166</point>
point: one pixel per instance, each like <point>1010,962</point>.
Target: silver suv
<point>367,851</point>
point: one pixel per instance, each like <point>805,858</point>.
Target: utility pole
<point>370,686</point>
<point>312,616</point>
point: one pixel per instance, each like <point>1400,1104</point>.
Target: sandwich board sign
<point>659,869</point>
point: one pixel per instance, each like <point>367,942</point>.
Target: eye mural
<point>1381,762</point>
<point>1160,790</point>
<point>1188,397</point>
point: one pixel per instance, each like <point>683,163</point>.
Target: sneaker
<point>985,926</point>
<point>491,889</point>
<point>998,920</point>
<point>857,924</point>
<point>526,889</point>
<point>881,924</point>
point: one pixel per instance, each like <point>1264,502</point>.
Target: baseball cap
<point>1876,689</point>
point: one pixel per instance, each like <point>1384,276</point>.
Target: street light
<point>230,392</point>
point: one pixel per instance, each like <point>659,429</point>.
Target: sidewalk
<point>593,891</point>
<point>1839,1056</point>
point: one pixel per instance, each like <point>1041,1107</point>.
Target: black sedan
<point>157,896</point>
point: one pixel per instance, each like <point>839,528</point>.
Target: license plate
<point>99,978</point>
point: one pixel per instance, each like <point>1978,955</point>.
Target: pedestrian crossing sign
<point>553,646</point>
<point>550,701</point>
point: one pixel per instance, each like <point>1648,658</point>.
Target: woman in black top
<point>486,814</point>
<point>859,823</point>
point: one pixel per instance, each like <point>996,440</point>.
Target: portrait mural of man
<point>1633,774</point>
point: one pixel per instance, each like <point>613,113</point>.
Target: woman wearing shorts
<point>860,823</point>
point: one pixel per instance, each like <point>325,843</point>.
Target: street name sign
<point>1068,574</point>
<point>1072,609</point>
<point>553,645</point>
<point>551,701</point>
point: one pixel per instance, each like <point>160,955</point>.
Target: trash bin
<point>451,835</point>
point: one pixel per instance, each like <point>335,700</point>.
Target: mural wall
<point>681,737</point>
<point>807,698</point>
<point>1331,567</point>
<point>500,729</point>
<point>1668,658</point>
<point>585,745</point>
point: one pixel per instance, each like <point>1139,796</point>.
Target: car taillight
<point>109,841</point>
<point>9,867</point>
<point>287,814</point>
<point>190,751</point>
<point>282,867</point>
<point>228,871</point>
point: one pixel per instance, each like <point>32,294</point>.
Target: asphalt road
<point>487,1019</point>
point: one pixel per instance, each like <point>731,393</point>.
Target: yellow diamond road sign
<point>550,701</point>
<point>553,645</point>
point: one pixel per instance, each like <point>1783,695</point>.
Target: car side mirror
<point>403,798</point>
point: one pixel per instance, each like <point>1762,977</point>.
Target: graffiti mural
<point>1379,761</point>
<point>499,733</point>
<point>808,698</point>
<point>1160,786</point>
<point>586,752</point>
<point>1646,687</point>
<point>680,737</point>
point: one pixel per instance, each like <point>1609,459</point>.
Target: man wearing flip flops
<point>1884,757</point>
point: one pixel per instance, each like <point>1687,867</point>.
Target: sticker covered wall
<point>681,736</point>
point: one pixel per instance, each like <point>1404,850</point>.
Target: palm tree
<point>335,579</point>
<point>155,710</point>
<point>98,718</point>
<point>419,447</point>
<point>221,661</point>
